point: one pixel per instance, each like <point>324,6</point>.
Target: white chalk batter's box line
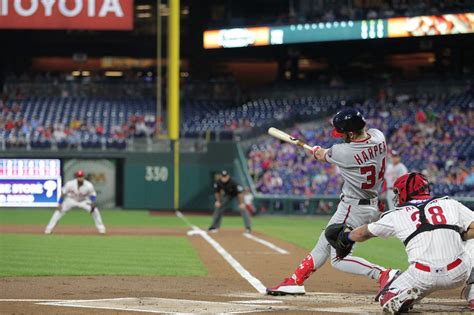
<point>171,306</point>
<point>252,305</point>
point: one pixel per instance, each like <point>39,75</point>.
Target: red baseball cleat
<point>385,280</point>
<point>287,287</point>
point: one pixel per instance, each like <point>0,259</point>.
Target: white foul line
<point>266,243</point>
<point>257,284</point>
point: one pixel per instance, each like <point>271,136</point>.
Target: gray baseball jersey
<point>361,164</point>
<point>393,172</point>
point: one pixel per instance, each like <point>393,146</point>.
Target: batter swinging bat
<point>277,133</point>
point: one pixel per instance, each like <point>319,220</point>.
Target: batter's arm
<point>319,153</point>
<point>361,234</point>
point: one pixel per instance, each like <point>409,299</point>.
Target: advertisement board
<point>101,173</point>
<point>30,182</point>
<point>237,37</point>
<point>66,14</point>
<point>448,24</point>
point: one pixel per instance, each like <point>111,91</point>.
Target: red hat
<point>79,173</point>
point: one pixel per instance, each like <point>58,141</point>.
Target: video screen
<point>30,182</point>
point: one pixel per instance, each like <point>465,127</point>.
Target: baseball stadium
<point>225,157</point>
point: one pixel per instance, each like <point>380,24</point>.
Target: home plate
<point>167,306</point>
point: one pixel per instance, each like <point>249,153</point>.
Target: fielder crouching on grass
<point>433,230</point>
<point>77,193</point>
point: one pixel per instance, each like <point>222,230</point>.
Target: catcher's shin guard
<point>304,270</point>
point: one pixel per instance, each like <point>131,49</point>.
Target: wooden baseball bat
<point>277,133</point>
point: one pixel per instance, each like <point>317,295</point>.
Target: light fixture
<point>113,73</point>
<point>143,7</point>
<point>144,15</point>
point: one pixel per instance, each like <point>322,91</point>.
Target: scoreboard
<point>30,182</point>
<point>265,35</point>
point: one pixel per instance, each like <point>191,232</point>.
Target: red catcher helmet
<point>79,173</point>
<point>411,186</point>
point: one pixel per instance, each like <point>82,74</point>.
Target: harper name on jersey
<point>370,153</point>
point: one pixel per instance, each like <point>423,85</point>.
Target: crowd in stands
<point>40,125</point>
<point>433,132</point>
<point>307,11</point>
<point>65,85</point>
<point>328,11</point>
<point>434,135</point>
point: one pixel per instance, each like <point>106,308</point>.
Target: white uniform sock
<point>57,215</point>
<point>98,221</point>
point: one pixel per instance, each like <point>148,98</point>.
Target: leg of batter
<point>354,215</point>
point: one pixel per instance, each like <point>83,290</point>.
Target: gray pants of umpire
<point>226,202</point>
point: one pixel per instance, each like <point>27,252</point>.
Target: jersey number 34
<point>371,172</point>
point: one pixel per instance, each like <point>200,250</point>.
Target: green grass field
<point>29,255</point>
<point>33,255</point>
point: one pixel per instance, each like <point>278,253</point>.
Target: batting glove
<point>314,150</point>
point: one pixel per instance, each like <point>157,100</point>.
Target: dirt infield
<point>223,290</point>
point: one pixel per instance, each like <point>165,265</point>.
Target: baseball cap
<point>395,153</point>
<point>224,173</point>
<point>79,173</point>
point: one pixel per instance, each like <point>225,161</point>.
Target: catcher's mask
<point>410,186</point>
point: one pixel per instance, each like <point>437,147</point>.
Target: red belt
<point>450,266</point>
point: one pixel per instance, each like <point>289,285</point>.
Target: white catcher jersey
<point>72,190</point>
<point>361,164</point>
<point>393,172</point>
<point>436,248</point>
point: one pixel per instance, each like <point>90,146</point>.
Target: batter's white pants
<point>67,205</point>
<point>354,215</point>
<point>439,278</point>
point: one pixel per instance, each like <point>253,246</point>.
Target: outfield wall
<point>144,180</point>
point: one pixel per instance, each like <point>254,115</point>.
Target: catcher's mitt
<point>336,234</point>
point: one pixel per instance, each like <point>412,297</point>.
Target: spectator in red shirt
<point>420,116</point>
<point>99,130</point>
<point>9,125</point>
